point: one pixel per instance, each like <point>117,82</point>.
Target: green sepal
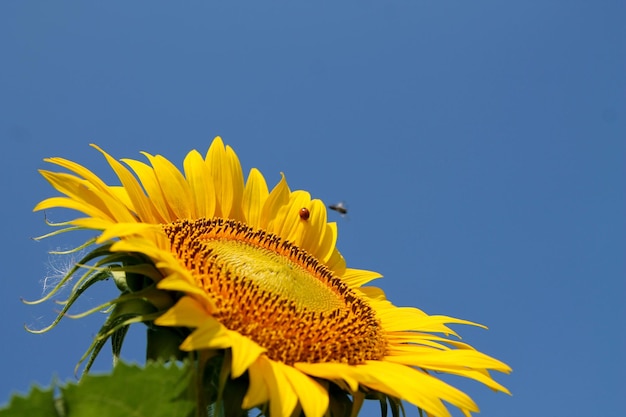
<point>117,340</point>
<point>234,391</point>
<point>135,274</point>
<point>142,306</point>
<point>100,251</point>
<point>94,278</point>
<point>163,343</point>
<point>340,404</point>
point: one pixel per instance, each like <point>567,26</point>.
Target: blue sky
<point>480,147</point>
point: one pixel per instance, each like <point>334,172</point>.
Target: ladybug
<point>304,213</point>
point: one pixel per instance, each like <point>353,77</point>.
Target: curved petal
<point>417,387</point>
<point>410,318</point>
<point>278,197</point>
<point>236,182</point>
<point>178,283</point>
<point>200,184</point>
<point>154,252</point>
<point>337,263</point>
<point>257,393</point>
<point>210,335</point>
<point>176,192</point>
<point>314,229</point>
<point>119,230</point>
<point>140,202</point>
<point>81,191</point>
<point>359,277</point>
<point>80,171</point>
<point>331,371</point>
<point>186,312</point>
<point>373,293</point>
<point>150,183</point>
<point>452,368</point>
<point>228,178</point>
<point>429,358</point>
<point>254,196</point>
<point>244,352</point>
<point>329,240</point>
<point>283,399</point>
<point>312,396</point>
<point>287,224</point>
<point>93,223</point>
<point>64,202</point>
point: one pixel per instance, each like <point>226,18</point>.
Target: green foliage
<point>38,403</point>
<point>154,391</point>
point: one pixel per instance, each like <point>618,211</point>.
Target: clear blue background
<point>479,145</point>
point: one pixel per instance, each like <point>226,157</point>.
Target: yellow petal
<point>119,193</point>
<point>457,368</point>
<point>336,262</point>
<point>201,184</point>
<point>235,175</point>
<point>64,202</point>
<point>80,170</point>
<point>93,223</point>
<point>288,223</point>
<point>257,393</point>
<point>175,189</point>
<point>210,335</point>
<point>149,181</point>
<point>254,196</point>
<point>228,178</point>
<point>215,160</point>
<point>283,399</point>
<point>175,283</point>
<point>425,339</point>
<point>429,358</point>
<point>151,248</point>
<point>359,277</point>
<point>329,241</point>
<point>278,197</point>
<point>312,396</point>
<point>82,191</point>
<point>414,386</point>
<point>406,318</point>
<point>186,312</point>
<point>244,352</point>
<point>373,293</point>
<point>330,371</point>
<point>140,202</point>
<point>119,230</point>
<point>314,229</point>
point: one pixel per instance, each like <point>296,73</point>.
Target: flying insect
<point>340,208</point>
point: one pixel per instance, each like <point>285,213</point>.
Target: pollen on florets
<point>277,294</point>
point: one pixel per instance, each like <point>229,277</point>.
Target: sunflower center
<point>277,294</point>
<point>275,274</point>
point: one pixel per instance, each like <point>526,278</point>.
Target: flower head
<point>254,276</point>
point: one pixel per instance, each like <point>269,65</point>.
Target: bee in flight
<point>339,208</point>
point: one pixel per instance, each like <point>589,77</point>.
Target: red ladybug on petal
<point>304,213</point>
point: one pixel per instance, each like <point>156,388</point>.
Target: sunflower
<point>252,276</point>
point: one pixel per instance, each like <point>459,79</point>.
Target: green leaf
<point>157,390</point>
<point>38,403</point>
<point>154,391</point>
